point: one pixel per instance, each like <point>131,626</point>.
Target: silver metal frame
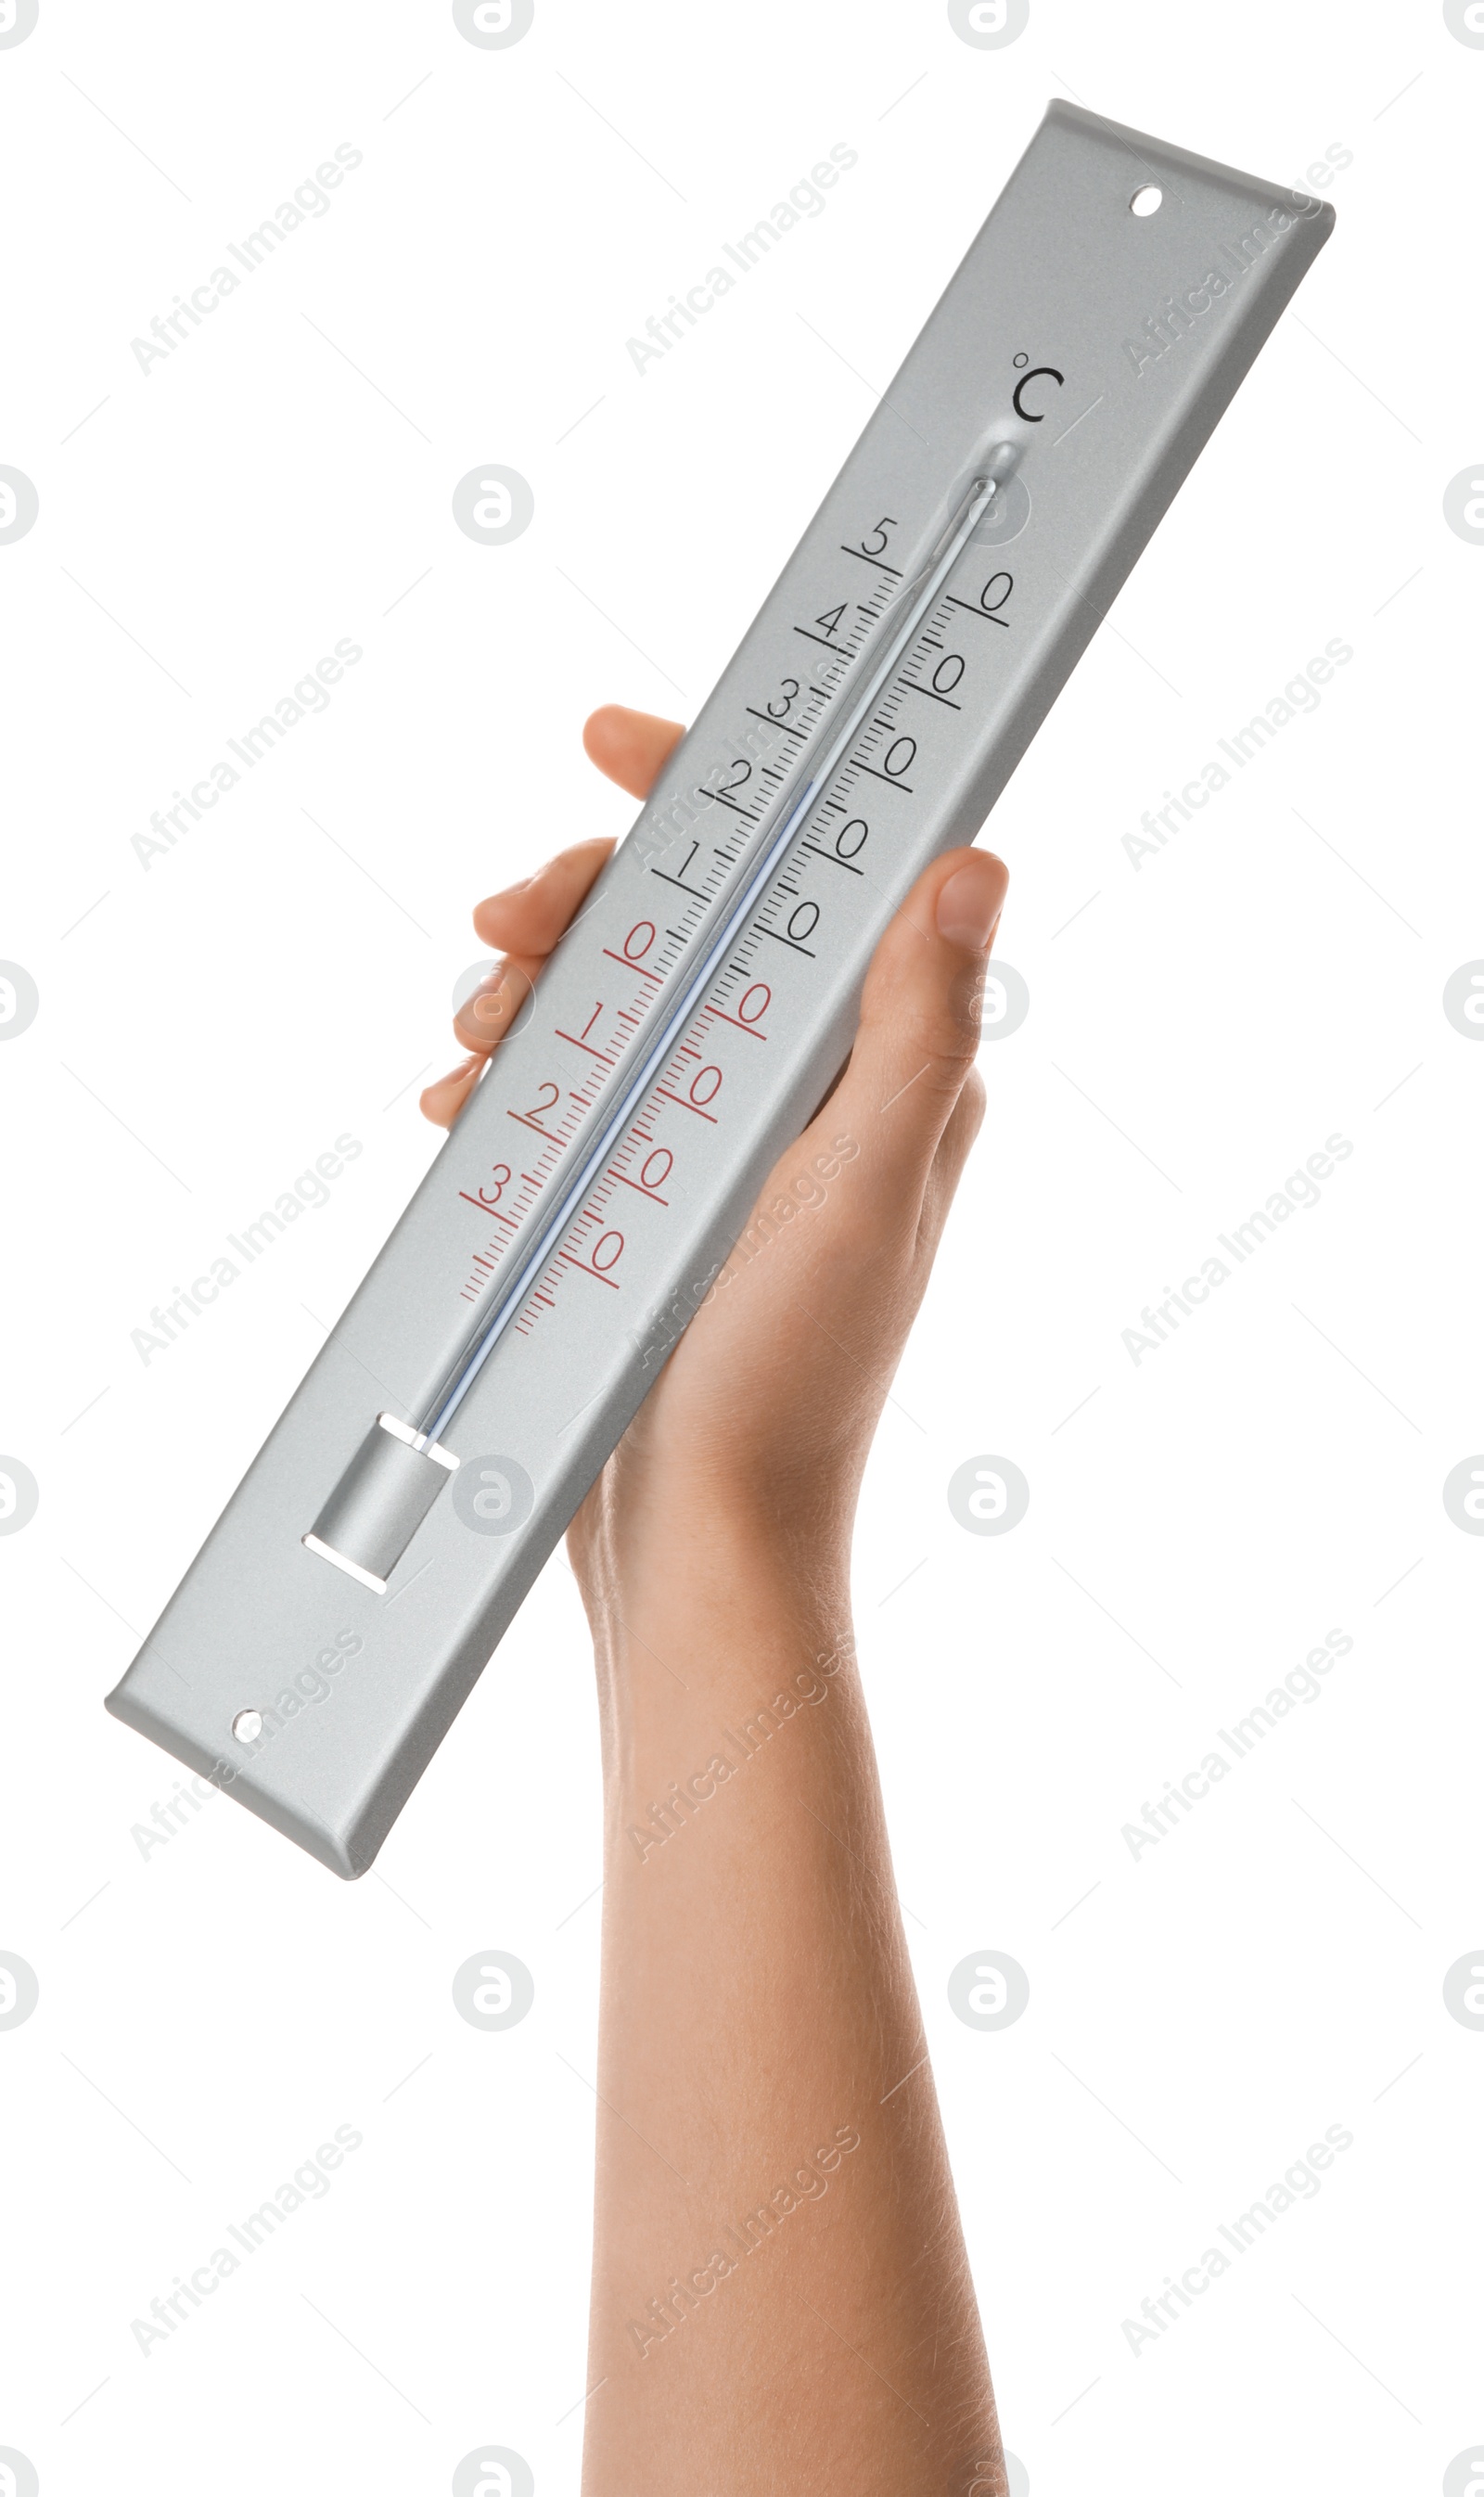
<point>384,1537</point>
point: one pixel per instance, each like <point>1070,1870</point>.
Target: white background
<point>209,2012</point>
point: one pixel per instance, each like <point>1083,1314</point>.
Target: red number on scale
<point>607,1252</point>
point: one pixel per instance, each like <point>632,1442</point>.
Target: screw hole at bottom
<point>247,1725</point>
<point>1146,199</point>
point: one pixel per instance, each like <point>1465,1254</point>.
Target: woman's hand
<point>764,1412</point>
<point>781,2292</point>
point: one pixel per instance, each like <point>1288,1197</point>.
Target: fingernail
<point>969,904</point>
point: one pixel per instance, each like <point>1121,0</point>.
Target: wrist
<point>701,1613</point>
<point>704,1561</point>
<point>698,1681</point>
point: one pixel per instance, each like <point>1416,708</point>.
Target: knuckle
<point>947,1050</point>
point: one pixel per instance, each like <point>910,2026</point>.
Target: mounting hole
<point>1146,201</point>
<point>247,1725</point>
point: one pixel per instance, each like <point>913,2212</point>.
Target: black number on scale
<point>947,673</point>
<point>722,790</point>
<point>829,622</point>
<point>797,929</point>
<point>848,843</point>
<point>1002,583</point>
<point>666,878</point>
<point>788,695</point>
<point>870,548</point>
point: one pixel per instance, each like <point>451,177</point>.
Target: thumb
<point>919,1028</point>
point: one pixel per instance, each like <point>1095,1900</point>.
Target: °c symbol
<point>1029,413</point>
<point>1020,359</point>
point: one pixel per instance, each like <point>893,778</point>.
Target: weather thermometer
<point>694,1016</point>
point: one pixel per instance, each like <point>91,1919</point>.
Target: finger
<point>442,1101</point>
<point>532,914</point>
<point>486,1015</point>
<point>630,745</point>
<point>946,1169</point>
<point>919,1026</point>
<point>529,917</point>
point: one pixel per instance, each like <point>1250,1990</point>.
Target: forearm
<point>780,2295</point>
